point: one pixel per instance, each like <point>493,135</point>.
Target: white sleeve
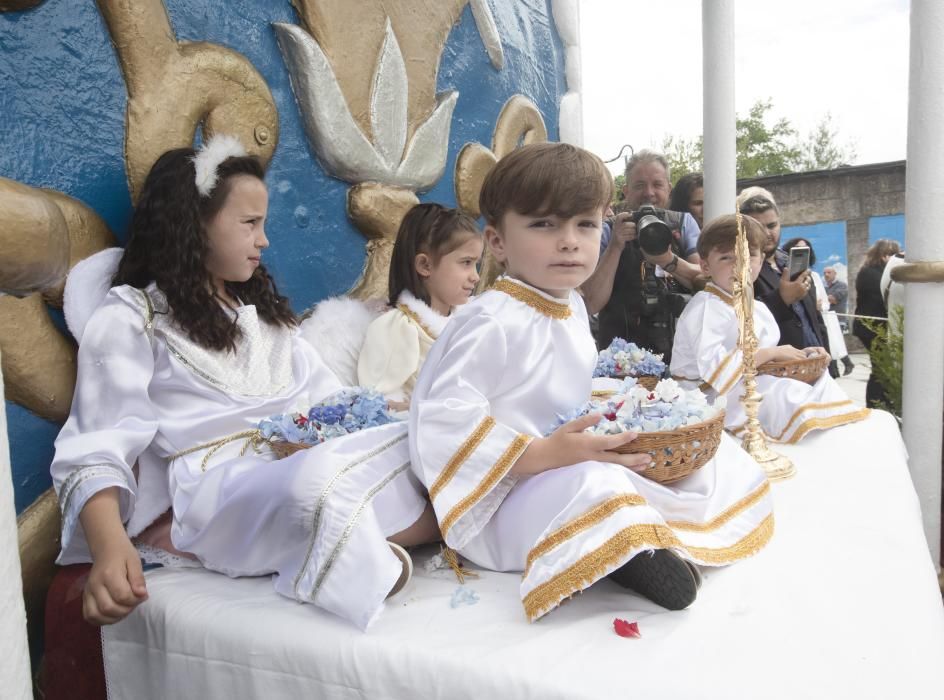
<point>459,451</point>
<point>717,356</point>
<point>112,418</point>
<point>390,355</point>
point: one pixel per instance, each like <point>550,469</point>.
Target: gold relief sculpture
<point>175,86</point>
<point>377,210</point>
<point>520,121</point>
<point>775,465</point>
<point>44,234</point>
<point>364,76</point>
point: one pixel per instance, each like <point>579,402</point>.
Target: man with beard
<point>792,302</point>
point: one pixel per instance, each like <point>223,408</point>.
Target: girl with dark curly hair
<point>190,349</point>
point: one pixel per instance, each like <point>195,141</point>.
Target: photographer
<point>630,289</point>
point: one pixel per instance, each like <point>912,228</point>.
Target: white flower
<point>667,390</point>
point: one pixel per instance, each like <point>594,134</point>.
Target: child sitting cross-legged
<point>706,351</point>
<point>565,509</point>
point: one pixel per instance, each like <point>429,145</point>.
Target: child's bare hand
<point>115,585</point>
<point>786,353</point>
<point>569,444</point>
<point>398,405</point>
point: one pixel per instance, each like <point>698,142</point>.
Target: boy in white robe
<point>706,351</point>
<point>564,509</point>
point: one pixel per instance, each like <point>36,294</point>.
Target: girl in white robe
<point>706,353</point>
<point>563,509</point>
<point>162,418</point>
<point>432,270</point>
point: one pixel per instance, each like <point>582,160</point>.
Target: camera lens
<point>655,237</point>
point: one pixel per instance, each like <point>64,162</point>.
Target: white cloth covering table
<point>843,603</point>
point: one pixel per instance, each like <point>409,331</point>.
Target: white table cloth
<point>843,603</point>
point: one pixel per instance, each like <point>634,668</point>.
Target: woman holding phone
<point>837,344</point>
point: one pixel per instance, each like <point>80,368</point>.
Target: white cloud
<point>642,65</point>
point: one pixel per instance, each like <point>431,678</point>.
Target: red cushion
<point>72,662</point>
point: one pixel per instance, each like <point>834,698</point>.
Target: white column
<point>15,680</point>
<point>924,303</point>
<point>717,27</point>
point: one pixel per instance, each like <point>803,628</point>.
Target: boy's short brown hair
<point>721,234</point>
<point>546,178</point>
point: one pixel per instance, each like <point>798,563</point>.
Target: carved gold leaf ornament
<point>520,121</point>
<point>174,87</point>
<point>377,210</point>
<point>44,234</point>
<point>378,120</point>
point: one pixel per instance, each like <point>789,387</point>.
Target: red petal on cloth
<point>626,629</point>
<point>610,416</point>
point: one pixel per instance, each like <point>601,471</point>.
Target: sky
<point>642,70</point>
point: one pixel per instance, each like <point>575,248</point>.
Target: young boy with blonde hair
<point>706,352</point>
<point>565,509</point>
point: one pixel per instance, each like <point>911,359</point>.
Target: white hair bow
<point>208,159</point>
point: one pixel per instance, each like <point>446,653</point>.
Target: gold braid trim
<point>830,422</point>
<point>253,439</point>
<point>462,454</point>
<point>495,474</point>
<point>809,407</point>
<point>711,288</point>
<point>413,316</point>
<point>720,368</point>
<point>551,309</point>
<point>731,382</point>
<point>593,566</point>
<point>581,523</point>
<point>726,515</point>
<point>747,546</point>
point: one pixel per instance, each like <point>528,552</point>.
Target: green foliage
<point>619,182</point>
<point>764,148</point>
<point>888,356</point>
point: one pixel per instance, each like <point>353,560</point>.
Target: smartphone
<point>799,261</point>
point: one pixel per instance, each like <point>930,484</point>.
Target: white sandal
<point>407,573</point>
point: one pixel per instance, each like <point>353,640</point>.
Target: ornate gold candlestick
<point>777,466</point>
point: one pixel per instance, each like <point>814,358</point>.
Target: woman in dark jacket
<point>869,302</point>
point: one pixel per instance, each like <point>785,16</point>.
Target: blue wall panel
<point>62,101</point>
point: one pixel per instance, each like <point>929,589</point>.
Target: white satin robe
<point>705,353</point>
<point>145,393</point>
<point>507,363</point>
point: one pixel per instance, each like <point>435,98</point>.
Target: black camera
<point>653,233</point>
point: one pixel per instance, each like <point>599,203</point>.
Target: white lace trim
<point>260,366</point>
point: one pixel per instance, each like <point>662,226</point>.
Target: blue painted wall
<point>62,101</point>
<point>827,239</point>
<point>892,227</point>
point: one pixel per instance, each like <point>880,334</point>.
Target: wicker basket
<point>678,453</point>
<point>808,370</point>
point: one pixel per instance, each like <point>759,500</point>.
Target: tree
<point>821,150</point>
<point>764,149</point>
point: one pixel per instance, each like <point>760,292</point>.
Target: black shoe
<point>847,365</point>
<point>661,576</point>
<point>833,369</point>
